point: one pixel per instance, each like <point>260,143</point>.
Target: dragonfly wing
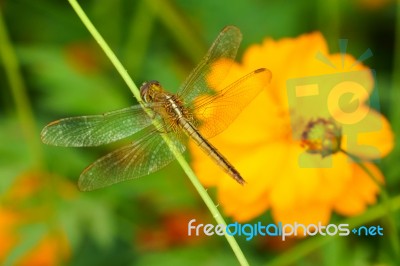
<point>96,130</point>
<point>135,160</point>
<point>224,47</point>
<point>214,113</point>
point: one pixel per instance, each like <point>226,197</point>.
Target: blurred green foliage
<point>143,222</point>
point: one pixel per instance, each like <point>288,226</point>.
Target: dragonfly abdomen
<point>179,117</point>
<point>210,150</point>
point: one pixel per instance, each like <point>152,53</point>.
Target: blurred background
<point>51,68</point>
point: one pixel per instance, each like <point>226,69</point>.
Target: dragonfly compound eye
<point>148,89</point>
<point>144,91</point>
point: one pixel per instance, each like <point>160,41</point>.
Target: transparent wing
<point>225,46</point>
<point>214,113</point>
<point>96,130</point>
<point>135,160</point>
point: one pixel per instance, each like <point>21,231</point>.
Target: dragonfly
<point>200,110</point>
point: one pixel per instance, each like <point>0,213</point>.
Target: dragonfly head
<point>149,90</point>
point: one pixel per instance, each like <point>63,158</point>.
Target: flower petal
<point>304,213</point>
<point>360,191</point>
<point>259,181</point>
<point>298,179</point>
<point>334,178</point>
<point>370,138</point>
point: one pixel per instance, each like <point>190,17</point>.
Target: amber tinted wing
<point>95,130</point>
<point>140,158</point>
<point>214,113</point>
<point>224,47</point>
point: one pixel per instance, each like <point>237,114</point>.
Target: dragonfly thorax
<point>169,106</point>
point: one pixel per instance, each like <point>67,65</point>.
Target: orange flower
<point>172,231</point>
<point>19,210</point>
<point>268,143</point>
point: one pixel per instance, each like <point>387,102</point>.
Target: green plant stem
<point>365,169</point>
<point>185,166</point>
<point>18,90</point>
<point>311,244</point>
<point>386,201</point>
